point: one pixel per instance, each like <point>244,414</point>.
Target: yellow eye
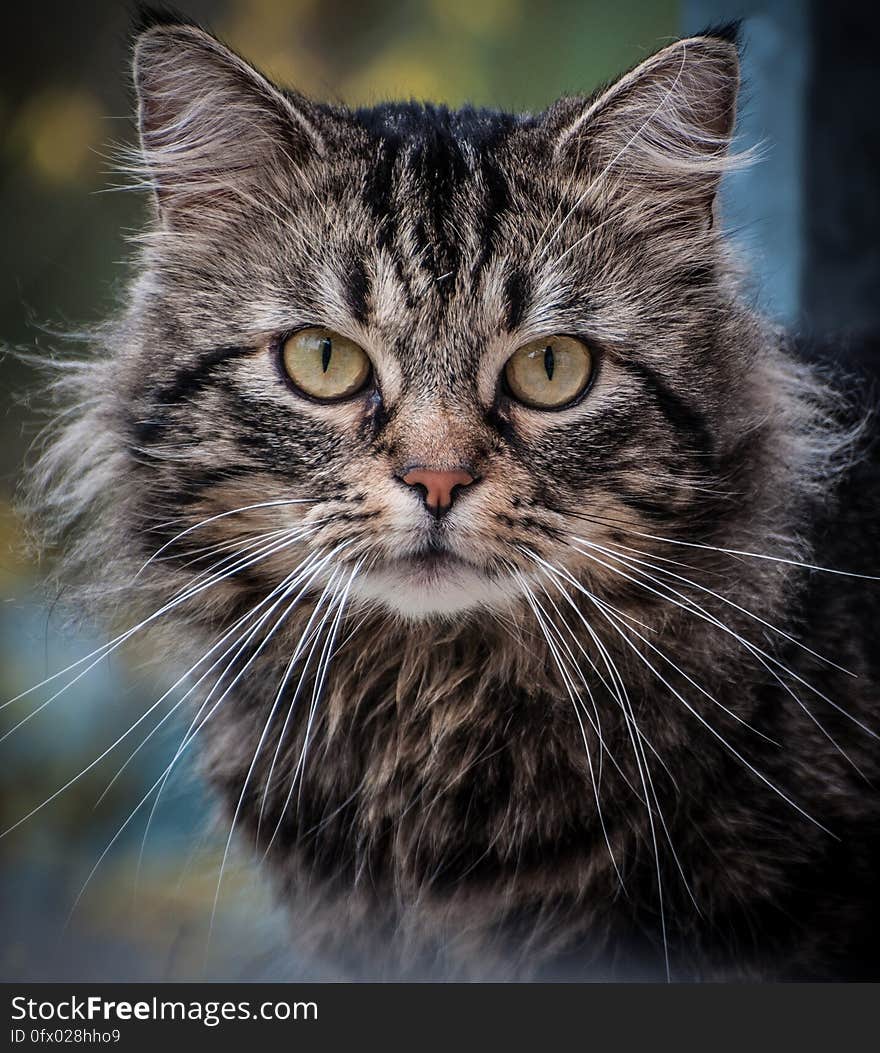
<point>324,364</point>
<point>549,373</point>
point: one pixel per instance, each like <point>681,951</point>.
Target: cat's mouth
<point>429,581</point>
<point>430,564</point>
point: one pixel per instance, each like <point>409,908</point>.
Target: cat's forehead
<point>428,213</point>
<point>433,184</point>
<point>426,127</point>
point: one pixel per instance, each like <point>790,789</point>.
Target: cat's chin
<point>430,586</point>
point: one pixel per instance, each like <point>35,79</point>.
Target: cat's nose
<point>438,487</point>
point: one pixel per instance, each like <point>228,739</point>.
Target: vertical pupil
<point>326,352</point>
<point>549,361</point>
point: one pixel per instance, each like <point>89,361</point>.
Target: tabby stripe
<point>192,379</point>
<point>496,201</point>
<point>378,197</point>
<point>516,298</point>
<point>186,382</point>
<point>357,290</point>
<point>687,420</point>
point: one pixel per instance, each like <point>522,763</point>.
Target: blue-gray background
<point>806,216</point>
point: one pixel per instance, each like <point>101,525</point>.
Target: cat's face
<point>456,340</point>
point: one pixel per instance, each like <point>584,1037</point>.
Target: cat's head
<point>432,345</point>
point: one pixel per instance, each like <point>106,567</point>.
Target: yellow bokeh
<point>401,72</point>
<point>272,36</point>
<point>482,17</point>
<point>13,555</point>
<point>59,133</point>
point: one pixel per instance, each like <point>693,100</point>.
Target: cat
<point>522,569</point>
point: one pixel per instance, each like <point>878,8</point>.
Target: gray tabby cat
<point>489,518</point>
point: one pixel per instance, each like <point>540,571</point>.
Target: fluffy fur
<point>597,739</point>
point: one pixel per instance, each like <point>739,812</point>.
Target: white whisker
<point>692,607</point>
<point>609,615</point>
<point>337,605</point>
<point>575,699</point>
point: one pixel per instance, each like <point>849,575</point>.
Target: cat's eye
<point>324,364</point>
<point>549,373</point>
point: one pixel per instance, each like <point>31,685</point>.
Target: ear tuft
<point>149,16</point>
<point>730,32</point>
<point>212,128</point>
<point>663,129</point>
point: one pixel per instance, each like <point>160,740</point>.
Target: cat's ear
<point>662,131</point>
<point>212,128</point>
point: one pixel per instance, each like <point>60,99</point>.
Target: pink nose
<point>438,486</point>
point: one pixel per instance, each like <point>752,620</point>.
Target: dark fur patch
<point>516,298</point>
<point>357,290</point>
<point>689,423</point>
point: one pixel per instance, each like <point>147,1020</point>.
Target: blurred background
<point>807,218</point>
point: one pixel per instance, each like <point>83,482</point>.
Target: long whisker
<point>256,755</point>
<point>597,724</point>
<point>308,638</point>
<point>541,618</point>
<point>693,607</point>
<point>611,688</point>
<point>105,753</point>
<point>640,765</point>
<point>620,549</point>
<point>235,546</point>
<point>108,648</point>
<point>306,567</point>
<point>637,743</point>
<point>229,632</point>
<point>765,658</point>
<point>188,739</point>
<point>609,615</point>
<point>323,666</point>
<point>222,515</point>
<point>337,605</point>
<point>618,691</point>
<point>308,570</point>
<point>699,687</point>
<point>744,553</point>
